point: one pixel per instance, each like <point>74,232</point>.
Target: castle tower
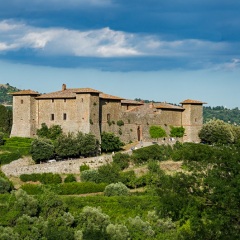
<point>24,113</point>
<point>192,119</point>
<point>87,104</point>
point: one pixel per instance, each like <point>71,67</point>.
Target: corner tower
<point>192,119</point>
<point>24,113</point>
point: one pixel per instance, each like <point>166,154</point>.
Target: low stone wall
<point>26,166</point>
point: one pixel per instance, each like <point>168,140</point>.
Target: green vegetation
<point>227,115</point>
<point>157,132</point>
<point>116,189</point>
<point>177,131</point>
<point>52,132</point>
<point>110,142</point>
<point>5,98</point>
<point>5,120</point>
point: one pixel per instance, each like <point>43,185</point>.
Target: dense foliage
<point>5,120</point>
<point>177,132</point>
<point>157,132</point>
<point>52,132</point>
<point>5,97</point>
<point>110,142</point>
<point>217,131</point>
<point>116,189</point>
<point>227,115</point>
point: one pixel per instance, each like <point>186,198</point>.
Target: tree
<point>110,142</point>
<point>117,232</point>
<point>5,119</point>
<point>116,189</point>
<point>88,144</point>
<point>66,146</point>
<point>157,132</point>
<point>217,131</point>
<point>51,133</point>
<point>41,150</point>
<point>93,222</point>
<point>177,131</point>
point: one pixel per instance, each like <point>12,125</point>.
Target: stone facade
<point>91,111</point>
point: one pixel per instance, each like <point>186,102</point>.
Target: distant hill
<point>5,98</point>
<point>227,115</point>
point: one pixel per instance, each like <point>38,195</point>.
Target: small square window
<point>65,99</point>
<point>52,100</point>
<point>21,101</point>
<point>52,117</point>
<point>64,116</point>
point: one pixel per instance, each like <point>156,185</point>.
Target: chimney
<point>64,87</point>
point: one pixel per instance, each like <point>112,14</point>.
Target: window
<point>65,99</point>
<point>108,117</point>
<point>52,117</point>
<point>64,116</point>
<point>21,101</point>
<point>52,100</point>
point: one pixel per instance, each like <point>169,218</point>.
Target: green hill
<point>227,115</point>
<point>5,98</point>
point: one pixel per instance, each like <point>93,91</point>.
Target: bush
<point>154,152</point>
<point>122,160</point>
<point>153,166</point>
<point>51,133</point>
<point>116,189</point>
<point>44,178</point>
<point>128,178</point>
<point>110,142</point>
<point>1,138</point>
<point>6,158</point>
<point>70,178</point>
<point>90,176</point>
<point>5,185</point>
<point>32,189</point>
<point>120,123</point>
<point>41,150</point>
<point>109,173</point>
<point>80,188</point>
<point>84,167</point>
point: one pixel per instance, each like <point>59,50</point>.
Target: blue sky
<point>151,49</point>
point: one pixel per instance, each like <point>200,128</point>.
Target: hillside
<point>5,98</point>
<point>227,115</point>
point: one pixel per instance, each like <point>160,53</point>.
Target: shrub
<point>80,188</point>
<point>154,152</point>
<point>6,158</point>
<point>110,142</point>
<point>32,189</point>
<point>41,150</point>
<point>5,185</point>
<point>177,131</point>
<point>157,132</point>
<point>51,133</point>
<point>120,123</point>
<point>70,178</point>
<point>50,178</point>
<point>1,138</point>
<point>109,173</point>
<point>128,178</point>
<point>34,177</point>
<point>84,167</point>
<point>90,176</point>
<point>153,166</point>
<point>116,189</point>
<point>122,160</point>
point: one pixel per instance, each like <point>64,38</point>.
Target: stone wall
<point>26,166</point>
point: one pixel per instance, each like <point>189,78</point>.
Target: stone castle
<point>91,111</point>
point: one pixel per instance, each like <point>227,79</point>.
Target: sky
<point>149,49</point>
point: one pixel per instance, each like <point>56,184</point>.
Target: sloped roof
<point>86,90</point>
<point>133,102</point>
<point>25,92</point>
<point>68,93</point>
<point>167,106</point>
<point>107,96</point>
<point>190,101</point>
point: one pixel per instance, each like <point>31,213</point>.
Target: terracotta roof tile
<point>68,93</point>
<point>107,96</point>
<point>190,101</point>
<point>167,106</point>
<point>133,102</point>
<point>86,90</point>
<point>25,92</point>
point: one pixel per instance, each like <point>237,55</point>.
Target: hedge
<point>44,178</point>
<point>65,188</point>
<point>6,158</point>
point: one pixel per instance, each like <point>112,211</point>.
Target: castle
<point>91,111</point>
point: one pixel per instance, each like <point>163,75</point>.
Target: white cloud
<point>99,43</point>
